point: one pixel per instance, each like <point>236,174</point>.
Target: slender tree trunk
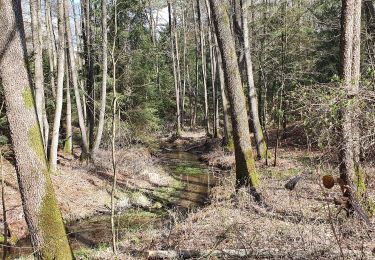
<point>196,90</point>
<point>103,97</point>
<point>178,67</point>
<point>253,100</point>
<point>280,109</point>
<point>114,169</point>
<point>204,71</point>
<point>350,171</point>
<point>113,137</point>
<point>213,69</point>
<point>6,232</point>
<point>38,71</point>
<point>175,70</point>
<point>245,165</point>
<point>50,47</point>
<point>42,214</point>
<point>77,35</point>
<point>87,38</point>
<point>74,74</point>
<point>224,99</point>
<point>68,145</point>
<point>216,95</point>
<point>79,61</point>
<point>184,69</point>
<point>60,85</point>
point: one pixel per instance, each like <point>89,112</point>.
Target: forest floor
<point>300,224</point>
<point>83,190</point>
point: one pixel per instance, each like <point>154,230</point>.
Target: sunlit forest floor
<point>303,223</point>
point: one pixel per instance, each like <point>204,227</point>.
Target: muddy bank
<point>152,192</point>
<point>84,190</point>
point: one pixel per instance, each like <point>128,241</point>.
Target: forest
<point>196,129</point>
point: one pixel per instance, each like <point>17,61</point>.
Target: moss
<point>359,181</point>
<point>264,152</point>
<point>11,240</point>
<point>83,253</point>
<point>51,223</point>
<point>230,146</point>
<point>186,169</point>
<point>250,163</point>
<point>35,141</point>
<point>68,147</point>
<point>371,207</point>
<point>167,193</point>
<point>28,98</point>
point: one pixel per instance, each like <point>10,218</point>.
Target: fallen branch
<point>249,253</point>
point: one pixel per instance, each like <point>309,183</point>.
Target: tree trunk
<point>213,69</point>
<point>245,166</point>
<point>50,47</point>
<point>223,98</point>
<point>68,144</point>
<point>77,35</point>
<point>350,171</point>
<point>175,72</point>
<point>87,38</point>
<point>253,100</point>
<point>103,97</point>
<point>40,207</point>
<point>38,67</point>
<point>204,71</point>
<point>62,17</point>
<point>196,90</point>
<point>74,74</point>
<point>184,68</point>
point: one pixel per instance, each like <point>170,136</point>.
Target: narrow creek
<point>194,180</point>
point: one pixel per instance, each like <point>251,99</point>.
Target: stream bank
<point>147,200</point>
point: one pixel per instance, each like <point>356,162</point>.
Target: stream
<point>194,178</point>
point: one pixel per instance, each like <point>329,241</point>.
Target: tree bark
<point>38,69</point>
<point>42,214</point>
<point>68,144</point>
<point>103,97</point>
<point>74,74</point>
<point>245,166</point>
<point>50,46</point>
<point>213,69</point>
<point>175,68</point>
<point>350,171</point>
<point>60,85</point>
<point>193,120</point>
<point>223,98</point>
<point>253,100</point>
<point>204,68</point>
<point>87,38</point>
